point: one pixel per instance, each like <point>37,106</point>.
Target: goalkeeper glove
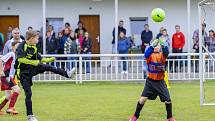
<point>47,60</point>
<point>155,42</point>
<point>163,43</point>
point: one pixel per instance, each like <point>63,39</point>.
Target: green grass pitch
<point>106,101</point>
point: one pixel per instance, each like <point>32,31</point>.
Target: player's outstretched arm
<point>30,62</point>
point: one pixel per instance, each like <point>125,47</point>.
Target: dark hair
<point>14,43</point>
<point>146,25</point>
<point>121,21</point>
<point>177,26</point>
<point>30,27</point>
<point>164,30</point>
<point>211,30</point>
<point>68,24</point>
<point>80,22</point>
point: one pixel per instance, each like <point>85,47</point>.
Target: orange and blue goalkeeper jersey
<point>156,63</point>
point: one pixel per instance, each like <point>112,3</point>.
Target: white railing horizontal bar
<point>117,55</point>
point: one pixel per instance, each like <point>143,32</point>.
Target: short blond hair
<point>30,34</point>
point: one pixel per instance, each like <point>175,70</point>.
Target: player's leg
<point>2,97</point>
<point>4,102</point>
<point>139,107</point>
<point>148,93</point>
<point>16,90</point>
<point>26,82</point>
<point>41,68</point>
<point>165,97</point>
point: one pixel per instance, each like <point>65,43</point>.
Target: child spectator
<point>123,47</point>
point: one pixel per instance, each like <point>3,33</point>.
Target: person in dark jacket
<point>146,37</point>
<point>51,44</point>
<point>123,48</point>
<point>80,27</point>
<point>40,43</point>
<point>87,49</point>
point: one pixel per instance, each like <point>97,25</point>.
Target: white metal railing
<point>109,67</point>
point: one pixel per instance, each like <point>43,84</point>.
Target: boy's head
<point>164,32</point>
<point>211,33</point>
<point>121,34</point>
<point>14,46</point>
<point>32,37</point>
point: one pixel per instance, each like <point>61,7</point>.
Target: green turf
<point>110,102</point>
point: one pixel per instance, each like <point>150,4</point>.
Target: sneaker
<point>171,119</point>
<point>71,73</point>
<point>2,99</point>
<point>32,118</point>
<point>12,111</point>
<point>126,72</point>
<point>133,118</point>
<point>123,72</point>
<point>2,113</point>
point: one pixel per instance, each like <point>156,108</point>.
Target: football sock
<point>169,110</point>
<point>138,109</point>
<point>13,99</point>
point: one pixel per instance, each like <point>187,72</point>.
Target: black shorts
<point>154,88</point>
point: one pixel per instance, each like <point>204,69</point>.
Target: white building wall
<point>30,13</point>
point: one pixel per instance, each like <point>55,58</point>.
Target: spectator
<point>81,39</point>
<point>165,37</point>
<point>178,42</point>
<point>71,46</point>
<point>196,37</point>
<point>123,47</point>
<point>63,40</point>
<point>40,43</point>
<point>1,42</point>
<point>87,49</point>
<point>51,44</point>
<point>59,37</point>
<point>146,37</point>
<point>51,30</point>
<point>80,27</point>
<point>9,33</point>
<point>211,41</point>
<point>120,29</point>
<point>30,28</point>
<point>196,43</point>
<point>16,38</point>
<point>211,46</point>
<point>160,33</point>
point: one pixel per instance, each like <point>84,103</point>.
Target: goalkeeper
<point>156,56</point>
<point>29,63</point>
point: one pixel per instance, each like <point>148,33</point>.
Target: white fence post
<point>80,69</point>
